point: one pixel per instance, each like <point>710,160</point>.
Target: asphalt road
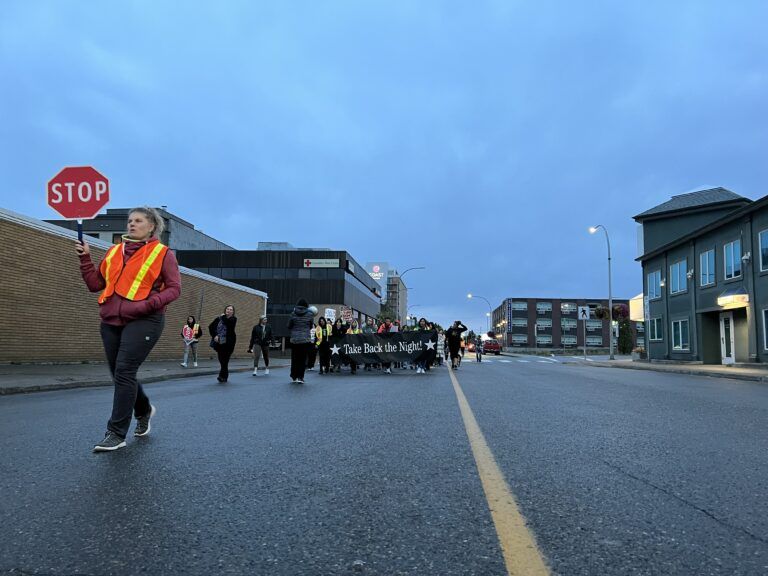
<point>617,472</point>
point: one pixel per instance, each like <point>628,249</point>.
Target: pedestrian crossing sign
<point>583,312</point>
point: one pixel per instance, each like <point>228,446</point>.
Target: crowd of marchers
<point>310,340</point>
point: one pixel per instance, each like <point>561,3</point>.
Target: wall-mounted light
<point>746,257</point>
<point>663,282</point>
<point>689,274</point>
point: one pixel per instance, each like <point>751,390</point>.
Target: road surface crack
<point>687,503</point>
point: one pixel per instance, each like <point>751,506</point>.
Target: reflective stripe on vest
<point>143,271</point>
<point>105,270</point>
<point>133,279</point>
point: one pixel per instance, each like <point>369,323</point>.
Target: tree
<point>625,336</point>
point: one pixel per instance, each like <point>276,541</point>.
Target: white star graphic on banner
<point>431,345</point>
<point>335,349</point>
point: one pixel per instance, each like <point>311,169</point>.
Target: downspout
<point>694,341</point>
<point>667,322</point>
<point>753,329</point>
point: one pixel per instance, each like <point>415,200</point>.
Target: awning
<point>736,297</point>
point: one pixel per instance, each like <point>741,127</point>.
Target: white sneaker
<point>266,371</point>
<point>195,364</point>
<point>388,371</point>
<point>183,365</point>
<point>255,371</point>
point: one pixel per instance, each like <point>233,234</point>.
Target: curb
<point>686,371</point>
<point>9,390</point>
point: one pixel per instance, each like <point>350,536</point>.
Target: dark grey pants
<point>126,347</point>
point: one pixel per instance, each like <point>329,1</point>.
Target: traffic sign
<point>583,312</point>
<point>78,192</point>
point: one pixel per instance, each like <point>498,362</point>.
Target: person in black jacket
<point>453,338</point>
<point>299,325</point>
<point>223,339</point>
<point>261,336</point>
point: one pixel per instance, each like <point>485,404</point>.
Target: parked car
<point>491,346</point>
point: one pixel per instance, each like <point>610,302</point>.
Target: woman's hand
<point>82,248</point>
<point>216,339</point>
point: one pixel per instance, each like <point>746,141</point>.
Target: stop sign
<point>78,192</point>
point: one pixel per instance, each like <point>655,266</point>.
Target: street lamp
<point>592,230</point>
<point>404,286</point>
<point>490,309</point>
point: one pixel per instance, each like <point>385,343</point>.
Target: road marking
<point>518,544</point>
<point>589,359</point>
<point>524,361</point>
<point>505,361</point>
<point>542,361</point>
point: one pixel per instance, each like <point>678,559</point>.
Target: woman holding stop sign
<point>137,279</point>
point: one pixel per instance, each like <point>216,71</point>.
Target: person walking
<point>261,336</point>
<point>440,348</point>
<point>422,326</point>
<point>337,331</point>
<point>312,352</point>
<point>299,324</point>
<point>387,326</point>
<point>354,328</point>
<point>369,328</point>
<point>323,345</point>
<point>223,340</point>
<point>454,339</point>
<point>191,333</point>
<point>137,279</point>
<point>479,349</point>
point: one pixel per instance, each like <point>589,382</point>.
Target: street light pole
<point>592,230</point>
<point>490,309</point>
<point>406,288</point>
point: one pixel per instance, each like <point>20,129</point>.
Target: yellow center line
<point>518,545</point>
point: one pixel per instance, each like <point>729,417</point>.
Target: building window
<point>640,326</point>
<point>680,335</point>
<point>520,322</point>
<point>593,325</point>
<point>678,281</point>
<point>763,250</point>
<point>568,340</point>
<point>545,323</point>
<point>732,252</point>
<point>520,306</point>
<point>655,330</point>
<point>654,285</point>
<point>519,338</point>
<point>594,340</point>
<point>543,307</point>
<point>707,268</point>
<point>543,339</point>
<point>568,323</point>
<point>640,342</point>
<point>568,308</point>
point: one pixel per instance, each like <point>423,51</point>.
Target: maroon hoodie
<point>117,310</point>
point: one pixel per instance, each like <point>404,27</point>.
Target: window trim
<point>710,273</point>
<point>648,282</point>
<point>688,333</point>
<point>653,329</point>
<point>765,330</point>
<point>681,276</point>
<point>760,248</point>
<point>725,260</point>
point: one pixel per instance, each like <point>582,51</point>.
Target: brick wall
<point>48,315</point>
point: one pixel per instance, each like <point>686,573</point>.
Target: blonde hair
<point>153,216</point>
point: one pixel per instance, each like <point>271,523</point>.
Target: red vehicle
<point>491,346</point>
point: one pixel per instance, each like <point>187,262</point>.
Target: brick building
<point>49,315</point>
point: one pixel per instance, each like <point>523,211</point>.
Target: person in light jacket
<point>191,333</point>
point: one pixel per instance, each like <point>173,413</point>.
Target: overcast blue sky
<point>478,139</point>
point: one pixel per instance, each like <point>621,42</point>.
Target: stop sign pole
<point>77,193</point>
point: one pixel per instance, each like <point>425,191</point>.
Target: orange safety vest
<point>133,280</point>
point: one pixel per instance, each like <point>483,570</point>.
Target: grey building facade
<point>397,295</point>
<point>706,287</point>
<point>179,234</point>
<point>326,279</point>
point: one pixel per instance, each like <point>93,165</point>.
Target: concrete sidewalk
<point>21,378</point>
<point>754,374</point>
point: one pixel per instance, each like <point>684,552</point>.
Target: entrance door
<point>726,338</point>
